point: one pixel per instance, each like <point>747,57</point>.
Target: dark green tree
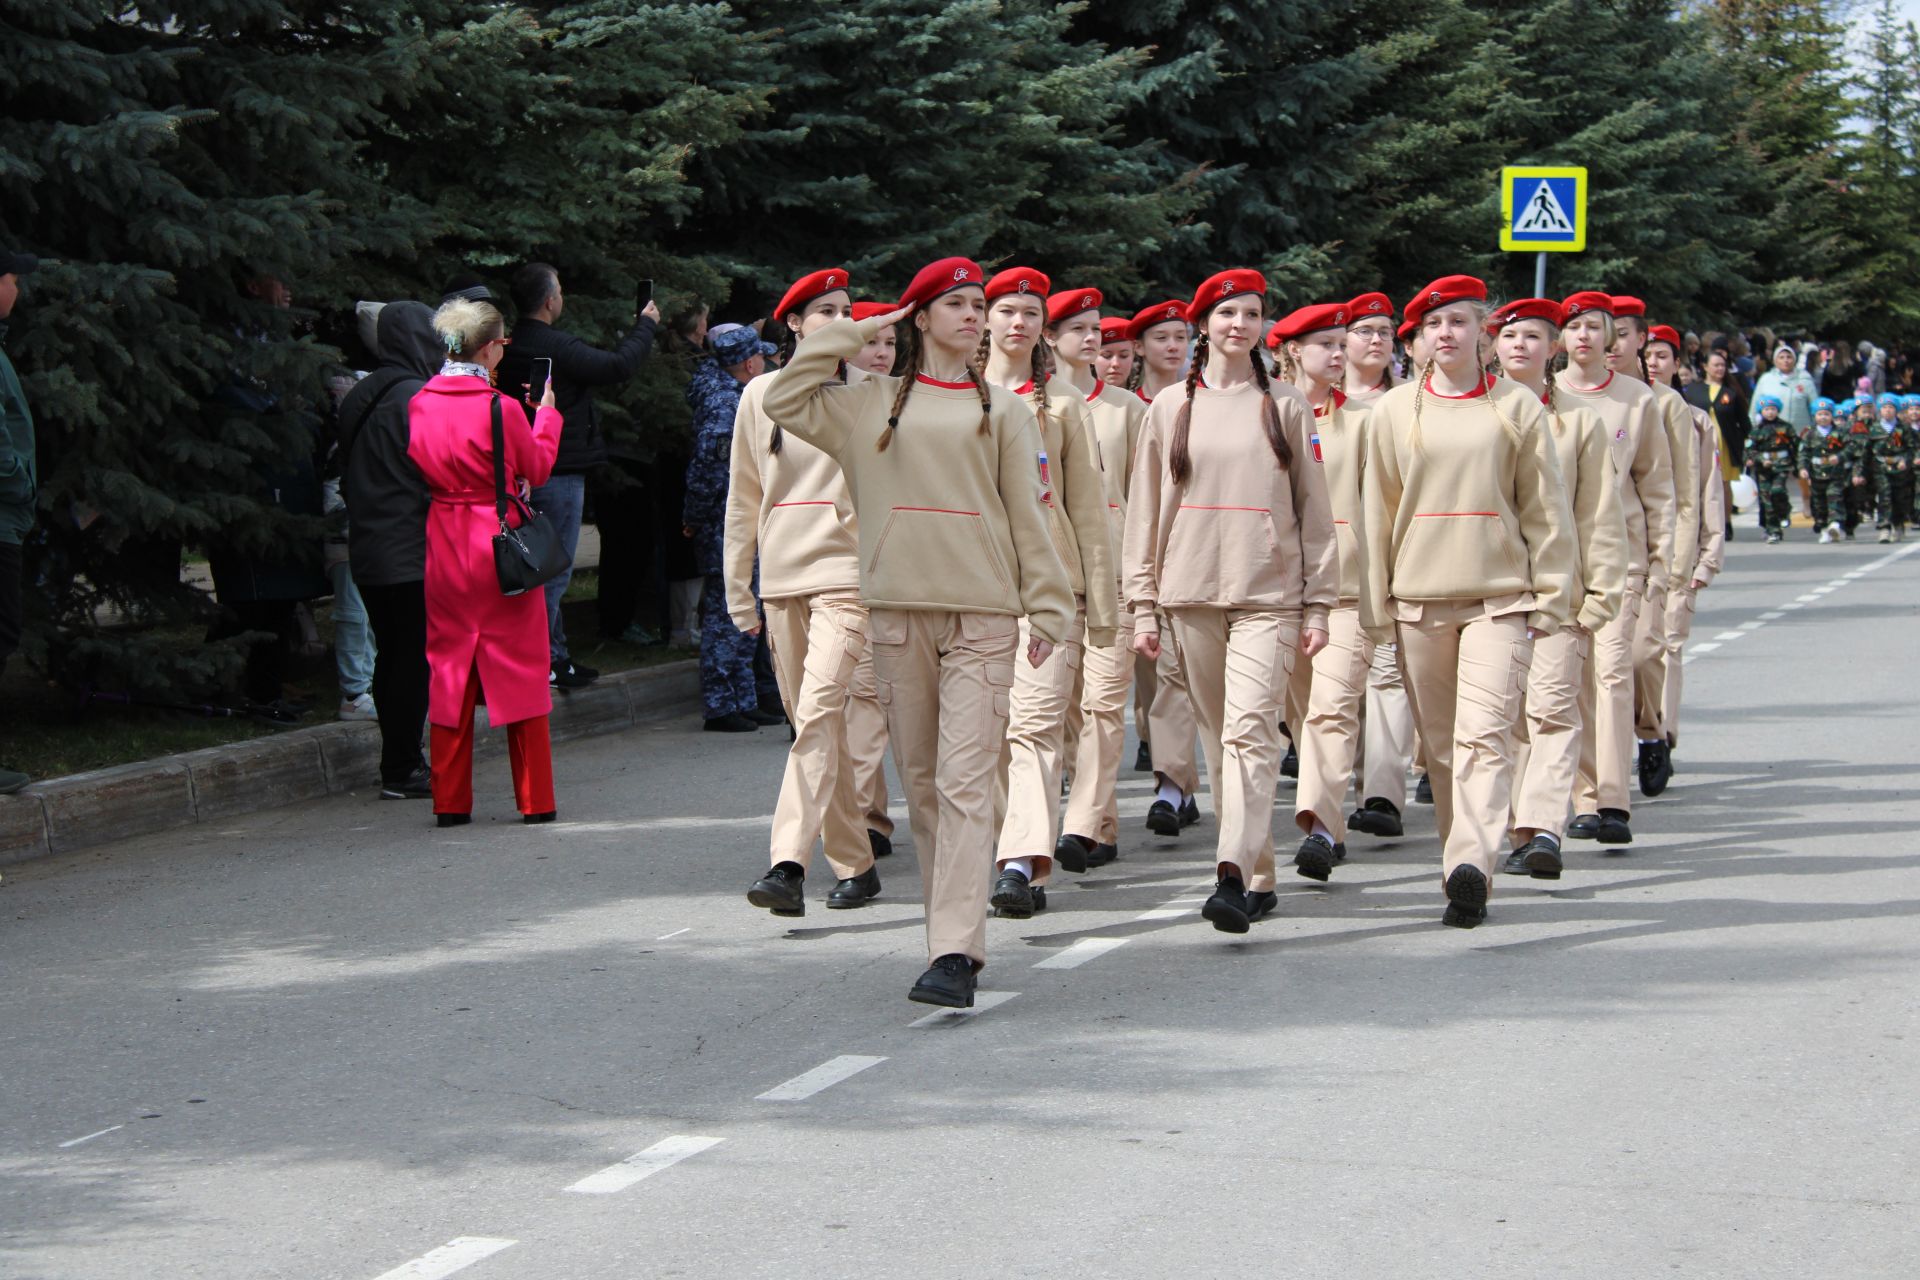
<point>1879,185</point>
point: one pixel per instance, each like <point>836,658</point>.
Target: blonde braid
<point>1179,459</point>
<point>986,399</point>
<point>910,370</point>
<point>1553,409</point>
<point>1419,396</point>
<point>1040,390</point>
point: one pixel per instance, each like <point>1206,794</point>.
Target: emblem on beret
<point>832,279</point>
<point>1434,298</point>
<point>1226,287</point>
<point>1340,317</point>
<point>1026,286</point>
<point>1173,313</point>
<point>959,273</point>
<point>1087,301</point>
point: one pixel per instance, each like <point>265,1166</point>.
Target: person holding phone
<point>577,369</point>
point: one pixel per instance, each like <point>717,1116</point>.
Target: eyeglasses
<point>1371,334</point>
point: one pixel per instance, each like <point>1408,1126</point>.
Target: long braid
<point>1040,389</point>
<point>1553,410</point>
<point>979,382</point>
<point>1179,460</point>
<point>1289,368</point>
<point>1419,396</point>
<point>985,352</point>
<point>909,370</point>
<point>1270,415</point>
<point>1138,373</point>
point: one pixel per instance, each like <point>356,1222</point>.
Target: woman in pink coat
<point>476,636</point>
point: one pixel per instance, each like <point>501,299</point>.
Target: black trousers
<point>264,677</point>
<point>398,614</point>
<point>10,607</point>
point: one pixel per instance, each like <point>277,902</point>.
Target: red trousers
<point>528,748</point>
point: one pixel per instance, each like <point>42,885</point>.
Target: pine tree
<point>1880,185</point>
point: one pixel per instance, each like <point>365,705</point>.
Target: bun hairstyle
<point>465,326</point>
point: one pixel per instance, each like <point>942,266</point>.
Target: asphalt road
<point>330,1041</point>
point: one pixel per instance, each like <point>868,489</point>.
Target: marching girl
<point>1469,558</point>
<point>1118,355</point>
<point>1663,360</point>
<point>1090,833</point>
<point>789,512</point>
<point>1526,335</point>
<point>1229,533</point>
<point>877,356</point>
<point>1650,631</point>
<point>1160,333</point>
<point>1369,371</point>
<point>1013,356</point>
<point>1325,696</point>
<point>955,547</point>
<point>1643,463</point>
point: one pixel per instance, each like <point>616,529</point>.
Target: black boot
<point>1102,854</point>
<point>856,891</point>
<point>1377,817</point>
<point>1012,897</point>
<point>1613,828</point>
<point>1074,853</point>
<point>1656,769</point>
<point>882,845</point>
<point>1143,759</point>
<point>1466,897</point>
<point>1540,858</point>
<point>1163,819</point>
<point>1315,859</point>
<point>950,982</point>
<point>781,890</point>
<point>1227,908</point>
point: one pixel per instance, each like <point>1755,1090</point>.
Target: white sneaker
<point>1826,536</point>
<point>1834,531</point>
<point>358,708</point>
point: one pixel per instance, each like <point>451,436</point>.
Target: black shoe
<point>882,845</point>
<point>1516,863</point>
<point>1039,898</point>
<point>1290,763</point>
<point>949,982</point>
<point>1075,853</point>
<point>1143,759</point>
<point>1103,854</point>
<point>1163,819</point>
<point>1423,791</point>
<point>780,890</point>
<point>855,892</point>
<point>452,819</point>
<point>535,819</point>
<point>764,717</point>
<point>1584,826</point>
<point>1377,817</point>
<point>1260,902</point>
<point>1315,859</point>
<point>1540,858</point>
<point>1613,828</point>
<point>733,722</point>
<point>1012,897</point>
<point>1656,768</point>
<point>1466,897</point>
<point>566,675</point>
<point>1227,908</point>
<point>1189,812</point>
<point>418,785</point>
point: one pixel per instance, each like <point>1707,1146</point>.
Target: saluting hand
<point>894,316</point>
<point>1312,641</point>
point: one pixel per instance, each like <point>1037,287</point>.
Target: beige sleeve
<point>1380,489</point>
<point>1046,593</point>
<point>806,398</point>
<point>1686,486</point>
<point>744,491</point>
<point>1652,471</point>
<point>1601,524</point>
<point>1713,504</point>
<point>1139,578</point>
<point>1084,498</point>
<point>1313,516</point>
<point>1369,622</point>
<point>1546,523</point>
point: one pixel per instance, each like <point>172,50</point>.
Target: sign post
<point>1543,210</point>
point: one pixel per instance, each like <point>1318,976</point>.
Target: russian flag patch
<point>1314,440</point>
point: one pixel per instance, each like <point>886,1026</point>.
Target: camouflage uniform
<point>1860,472</point>
<point>1823,458</point>
<point>1892,446</point>
<point>727,685</point>
<point>1773,454</point>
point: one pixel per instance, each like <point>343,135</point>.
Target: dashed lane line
<point>74,1142</point>
<point>1080,952</point>
<point>982,1001</point>
<point>663,1154</point>
<point>824,1076</point>
<point>456,1255</point>
<point>1813,596</point>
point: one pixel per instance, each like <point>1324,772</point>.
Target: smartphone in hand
<point>643,298</point>
<point>542,374</point>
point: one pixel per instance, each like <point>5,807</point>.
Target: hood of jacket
<point>406,340</point>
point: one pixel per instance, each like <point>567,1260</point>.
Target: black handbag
<point>531,555</point>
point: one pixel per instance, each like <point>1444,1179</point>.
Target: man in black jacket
<point>577,370</point>
<point>387,535</point>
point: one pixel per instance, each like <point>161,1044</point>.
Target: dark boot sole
<point>1007,907</point>
<point>1544,864</point>
<point>778,906</point>
<point>1072,856</point>
<point>1225,917</point>
<point>1161,825</point>
<point>1385,828</point>
<point>1315,863</point>
<point>1467,893</point>
<point>849,904</point>
<point>452,819</point>
<point>945,999</point>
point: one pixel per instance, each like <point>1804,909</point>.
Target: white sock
<point>1320,829</point>
<point>1023,865</point>
<point>1551,839</point>
<point>1171,794</point>
<point>1648,741</point>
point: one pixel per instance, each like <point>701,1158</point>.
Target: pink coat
<point>469,622</point>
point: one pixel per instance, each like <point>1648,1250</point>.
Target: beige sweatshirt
<point>1477,512</point>
<point>1342,428</point>
<point>790,509</point>
<point>1118,415</point>
<point>1677,414</point>
<point>1077,504</point>
<point>1240,532</point>
<point>949,519</point>
<point>1644,464</point>
<point>1600,530</point>
<point>1713,501</point>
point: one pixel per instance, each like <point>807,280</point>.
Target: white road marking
<point>824,1076</point>
<point>456,1255</point>
<point>1806,599</point>
<point>1753,624</point>
<point>663,1154</point>
<point>1729,635</point>
<point>74,1142</point>
<point>1772,616</point>
<point>1080,952</point>
<point>1822,591</point>
<point>1794,604</point>
<point>676,933</point>
<point>1164,913</point>
<point>1708,647</point>
<point>982,1001</point>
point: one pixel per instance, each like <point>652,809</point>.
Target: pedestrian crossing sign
<point>1543,209</point>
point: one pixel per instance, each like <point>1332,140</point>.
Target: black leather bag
<point>531,555</point>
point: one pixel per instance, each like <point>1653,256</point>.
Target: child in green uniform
<point>1824,468</point>
<point>1773,456</point>
<point>1859,464</point>
<point>1892,470</point>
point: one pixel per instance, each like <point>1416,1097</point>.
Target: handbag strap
<point>499,463</point>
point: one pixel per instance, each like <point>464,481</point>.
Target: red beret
<point>1444,292</point>
<point>868,310</point>
<point>1019,280</point>
<point>1071,302</point>
<point>1158,313</point>
<point>1405,331</point>
<point>1665,333</point>
<point>1527,309</point>
<point>1326,315</point>
<point>1626,306</point>
<point>1216,289</point>
<point>941,277</point>
<point>1115,329</point>
<point>1580,304</point>
<point>808,287</point>
<point>1371,304</point>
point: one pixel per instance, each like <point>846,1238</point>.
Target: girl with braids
<point>475,636</point>
<point>1324,695</point>
<point>1229,533</point>
<point>1369,348</point>
<point>790,518</point>
<point>1090,833</point>
<point>1643,464</point>
<point>1012,355</point>
<point>954,548</point>
<point>1161,333</point>
<point>1629,359</point>
<point>1118,354</point>
<point>1526,334</point>
<point>1469,560</point>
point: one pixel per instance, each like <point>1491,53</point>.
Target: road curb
<point>82,810</point>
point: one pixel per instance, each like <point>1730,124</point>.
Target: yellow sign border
<point>1511,175</point>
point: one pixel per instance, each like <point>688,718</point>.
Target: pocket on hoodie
<point>1461,555</point>
<point>961,535</point>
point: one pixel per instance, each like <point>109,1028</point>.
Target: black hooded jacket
<point>385,494</point>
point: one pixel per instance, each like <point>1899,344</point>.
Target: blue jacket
<point>714,395</point>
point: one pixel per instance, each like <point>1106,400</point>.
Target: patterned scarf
<point>461,369</point>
